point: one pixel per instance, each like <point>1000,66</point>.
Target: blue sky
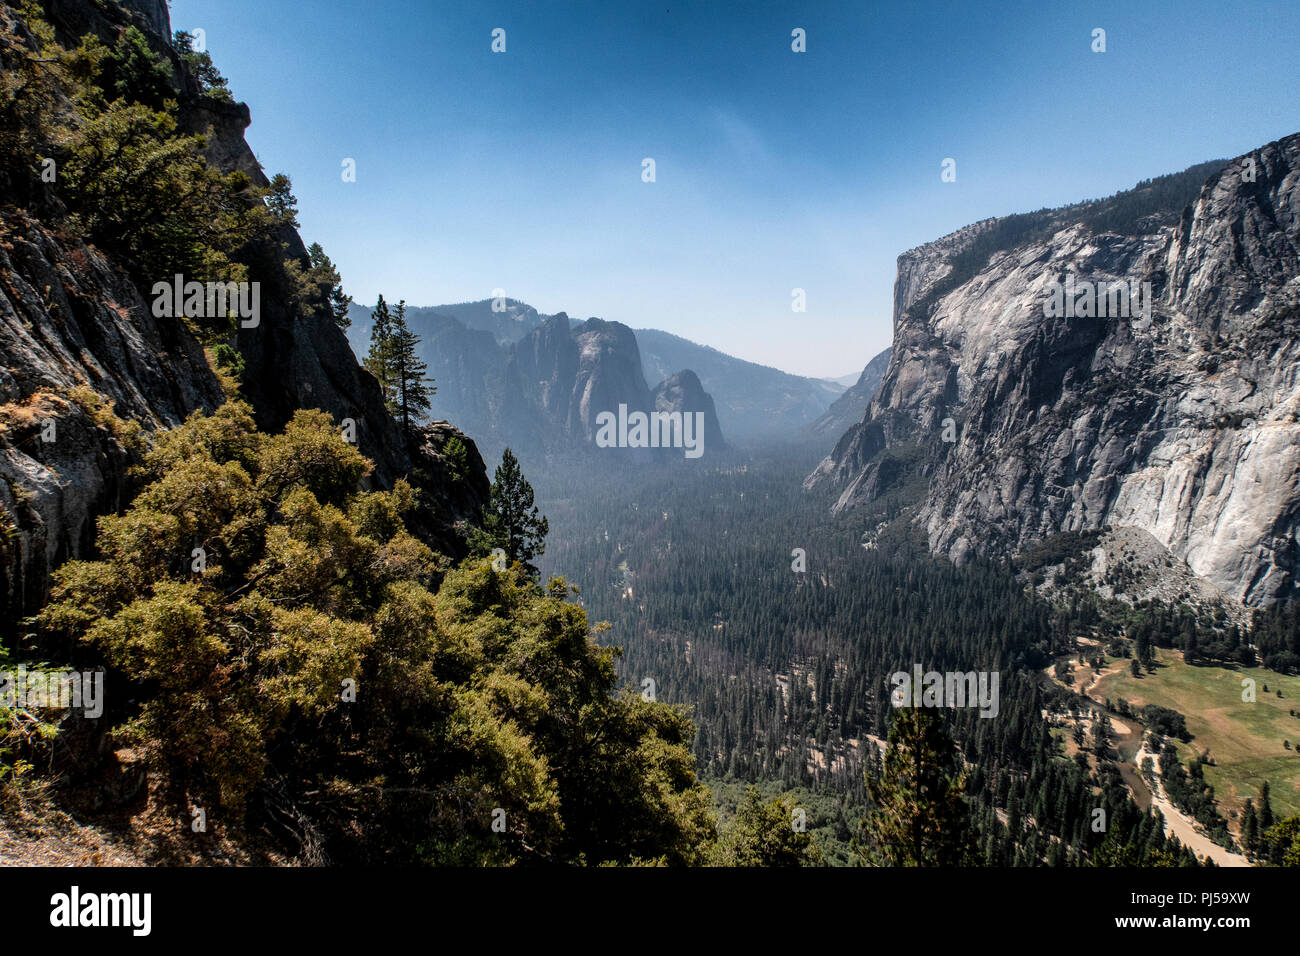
<point>774,170</point>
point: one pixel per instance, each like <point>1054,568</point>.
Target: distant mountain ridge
<point>537,383</point>
<point>845,381</point>
<point>755,402</point>
<point>513,322</point>
<point>749,403</point>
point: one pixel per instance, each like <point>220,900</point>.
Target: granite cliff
<point>1181,422</point>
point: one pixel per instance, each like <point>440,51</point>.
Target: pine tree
<point>378,360</point>
<point>211,82</point>
<point>1102,734</point>
<point>920,818</point>
<point>413,387</point>
<point>1249,829</point>
<point>329,285</point>
<point>281,201</point>
<point>1014,818</point>
<point>511,520</point>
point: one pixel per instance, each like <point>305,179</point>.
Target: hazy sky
<point>774,169</point>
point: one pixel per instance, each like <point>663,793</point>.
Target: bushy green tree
<point>1113,852</point>
<point>763,833</point>
<point>318,288</point>
<point>131,71</point>
<point>1280,843</point>
<point>137,188</point>
<point>457,457</point>
<point>90,141</point>
<point>288,640</point>
<point>330,283</point>
<point>229,589</point>
<point>33,103</point>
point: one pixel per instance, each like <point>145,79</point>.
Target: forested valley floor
<point>735,592</point>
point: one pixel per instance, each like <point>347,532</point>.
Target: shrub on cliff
<point>291,644</point>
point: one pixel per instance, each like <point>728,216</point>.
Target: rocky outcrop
<point>684,393</point>
<point>1024,424</point>
<point>608,375</point>
<point>755,404</point>
<point>73,19</point>
<point>84,363</point>
<point>74,328</point>
<point>452,492</point>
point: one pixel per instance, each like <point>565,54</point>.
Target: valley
<point>474,585</point>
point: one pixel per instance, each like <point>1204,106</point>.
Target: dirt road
<point>1184,827</point>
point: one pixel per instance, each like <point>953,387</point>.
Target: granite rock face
<point>1181,422</point>
<point>608,374</point>
<point>684,392</point>
<point>73,323</point>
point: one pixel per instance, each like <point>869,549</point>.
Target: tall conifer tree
<point>511,520</point>
<point>920,818</point>
<point>414,388</point>
<point>379,360</point>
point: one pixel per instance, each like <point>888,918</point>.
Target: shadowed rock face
<point>155,14</point>
<point>548,361</point>
<point>449,497</point>
<point>1186,428</point>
